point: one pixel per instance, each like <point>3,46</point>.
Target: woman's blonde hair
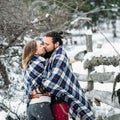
<point>28,52</point>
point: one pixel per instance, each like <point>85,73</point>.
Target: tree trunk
<point>4,75</point>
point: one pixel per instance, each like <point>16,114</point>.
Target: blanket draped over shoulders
<point>62,82</point>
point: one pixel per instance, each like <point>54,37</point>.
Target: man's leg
<point>60,111</point>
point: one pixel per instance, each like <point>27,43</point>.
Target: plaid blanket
<point>33,74</point>
<point>59,80</point>
<point>62,82</point>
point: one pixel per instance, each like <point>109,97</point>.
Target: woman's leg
<point>29,115</point>
<point>41,111</point>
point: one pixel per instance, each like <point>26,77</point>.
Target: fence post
<point>89,46</point>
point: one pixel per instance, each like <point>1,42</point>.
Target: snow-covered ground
<point>107,50</point>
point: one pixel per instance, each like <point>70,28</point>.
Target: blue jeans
<point>39,111</point>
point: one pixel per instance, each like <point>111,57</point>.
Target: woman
<point>38,105</point>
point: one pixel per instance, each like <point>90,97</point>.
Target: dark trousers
<point>39,111</point>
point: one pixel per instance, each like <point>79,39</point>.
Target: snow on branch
<point>102,60</point>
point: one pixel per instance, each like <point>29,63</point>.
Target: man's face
<point>48,44</point>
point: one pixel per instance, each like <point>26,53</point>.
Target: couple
<point>55,75</point>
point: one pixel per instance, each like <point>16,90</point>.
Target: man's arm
<point>57,73</point>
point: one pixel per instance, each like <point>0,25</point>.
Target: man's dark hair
<point>57,37</point>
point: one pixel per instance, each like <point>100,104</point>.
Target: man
<point>61,81</point>
<point>59,107</point>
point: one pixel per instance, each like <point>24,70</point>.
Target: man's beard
<point>48,54</point>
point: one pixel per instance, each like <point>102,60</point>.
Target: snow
<point>108,50</point>
<point>3,115</point>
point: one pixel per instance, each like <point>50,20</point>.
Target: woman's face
<point>40,49</point>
